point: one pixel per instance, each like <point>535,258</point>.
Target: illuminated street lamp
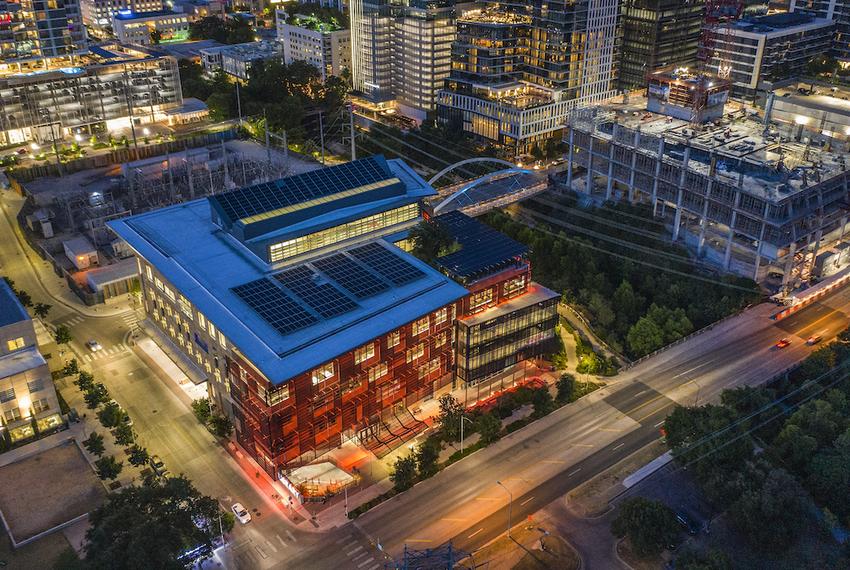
<point>34,146</point>
<point>463,418</point>
<point>510,505</point>
<point>146,131</point>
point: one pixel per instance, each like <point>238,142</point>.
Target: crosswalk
<point>251,554</point>
<point>131,319</point>
<point>71,321</point>
<point>106,352</point>
<point>361,556</point>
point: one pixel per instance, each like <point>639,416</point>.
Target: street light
<point>463,418</point>
<point>510,505</point>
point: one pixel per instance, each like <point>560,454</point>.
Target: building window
<point>415,352</point>
<point>441,316</point>
<point>513,287</point>
<point>15,344</point>
<point>323,373</point>
<point>13,415</point>
<point>364,353</point>
<point>441,339</point>
<point>393,339</point>
<point>278,395</point>
<point>431,366</point>
<point>41,405</point>
<point>185,306</point>
<point>202,320</point>
<point>480,299</point>
<point>169,293</point>
<point>222,341</point>
<point>159,284</point>
<point>7,395</point>
<point>149,272</point>
<point>212,330</point>
<point>35,385</point>
<point>420,326</point>
<point>377,371</point>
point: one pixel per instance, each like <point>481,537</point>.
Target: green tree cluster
<point>649,525</point>
<point>228,31</point>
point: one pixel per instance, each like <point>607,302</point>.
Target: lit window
<point>393,339</point>
<point>41,405</point>
<point>159,284</point>
<point>212,330</point>
<point>441,339</point>
<point>149,272</point>
<point>480,299</point>
<point>377,371</point>
<point>278,395</point>
<point>441,316</point>
<point>221,340</point>
<point>202,320</point>
<point>13,415</point>
<point>431,366</point>
<point>514,286</point>
<point>420,326</point>
<point>322,373</point>
<point>15,344</point>
<point>364,353</point>
<point>185,306</point>
<point>415,352</point>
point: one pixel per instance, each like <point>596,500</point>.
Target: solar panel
<point>324,298</point>
<point>483,248</point>
<point>268,196</point>
<point>274,306</point>
<point>354,278</point>
<point>385,262</point>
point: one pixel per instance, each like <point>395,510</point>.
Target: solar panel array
<point>385,262</point>
<point>268,196</point>
<point>482,247</point>
<point>276,307</point>
<point>350,275</point>
<point>324,298</point>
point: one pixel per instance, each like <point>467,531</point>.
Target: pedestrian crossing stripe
<point>111,351</point>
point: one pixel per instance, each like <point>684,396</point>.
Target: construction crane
<point>719,15</point>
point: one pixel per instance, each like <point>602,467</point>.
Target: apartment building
<point>323,45</point>
<point>31,30</point>
<point>28,402</point>
<point>237,60</point>
<point>839,12</point>
<point>150,28</point>
<point>97,14</point>
<point>309,320</point>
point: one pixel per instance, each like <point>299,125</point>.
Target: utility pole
<point>322,137</point>
<point>238,103</point>
<point>351,129</point>
<point>463,418</point>
<point>268,148</point>
<point>510,505</point>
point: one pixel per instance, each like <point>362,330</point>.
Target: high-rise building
<point>311,325</point>
<point>401,53</point>
<point>323,44</point>
<point>839,12</point>
<point>657,34</point>
<point>98,14</point>
<point>37,29</point>
<point>518,69</point>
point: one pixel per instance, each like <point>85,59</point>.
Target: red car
<point>783,343</point>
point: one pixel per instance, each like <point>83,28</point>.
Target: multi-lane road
<point>463,503</point>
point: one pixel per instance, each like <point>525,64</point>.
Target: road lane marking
<point>283,542</point>
<point>272,546</point>
<point>353,550</point>
<point>619,446</point>
<point>522,504</point>
<point>365,562</point>
<point>692,369</point>
<point>659,424</point>
<point>574,472</point>
<point>648,402</point>
<point>419,540</point>
<point>609,429</point>
<point>345,539</point>
<point>487,499</point>
<point>476,532</point>
<point>553,461</point>
<point>454,519</point>
<point>361,555</point>
<point>582,445</point>
<point>291,536</point>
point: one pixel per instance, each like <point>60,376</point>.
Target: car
<point>782,343</point>
<point>241,513</point>
<point>686,523</point>
<point>814,339</point>
<point>22,151</point>
<point>93,345</point>
<point>157,464</point>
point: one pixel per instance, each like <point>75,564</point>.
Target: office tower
<point>839,12</point>
<point>37,29</point>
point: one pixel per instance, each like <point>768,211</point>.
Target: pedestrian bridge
<point>494,190</point>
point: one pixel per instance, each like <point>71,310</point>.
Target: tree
<point>96,395</point>
<point>429,240</point>
<point>489,427</point>
<point>124,434</point>
<point>201,409</point>
<point>108,467</point>
<point>713,559</point>
<point>221,425</point>
<point>41,310</point>
<point>94,444</point>
<point>829,477</point>
<point>209,28</point>
<point>111,415</point>
<point>71,368</point>
<point>403,474</point>
<point>427,455</point>
<point>644,337</point>
<point>156,36</point>
<point>85,380</point>
<point>795,447</point>
<point>62,335</point>
<point>220,106</point>
<point>542,401</point>
<point>566,388</point>
<point>138,455</point>
<point>649,525</point>
<point>24,298</point>
<point>771,516</point>
<point>450,417</point>
<point>151,526</point>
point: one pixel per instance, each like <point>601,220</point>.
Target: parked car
<point>157,464</point>
<point>241,513</point>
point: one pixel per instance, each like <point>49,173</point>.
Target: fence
<point>120,156</point>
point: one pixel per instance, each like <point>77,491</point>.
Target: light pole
<point>510,505</point>
<point>463,418</point>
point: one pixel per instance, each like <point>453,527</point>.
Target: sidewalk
<point>52,285</point>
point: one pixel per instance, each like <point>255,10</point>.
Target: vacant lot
<point>48,489</point>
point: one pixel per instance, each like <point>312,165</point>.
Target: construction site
<point>65,217</point>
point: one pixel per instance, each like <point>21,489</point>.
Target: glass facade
<point>302,244</point>
<point>487,348</point>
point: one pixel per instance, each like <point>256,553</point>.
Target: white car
<point>241,513</point>
<point>93,345</point>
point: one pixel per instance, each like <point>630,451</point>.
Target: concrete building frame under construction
<point>752,201</point>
